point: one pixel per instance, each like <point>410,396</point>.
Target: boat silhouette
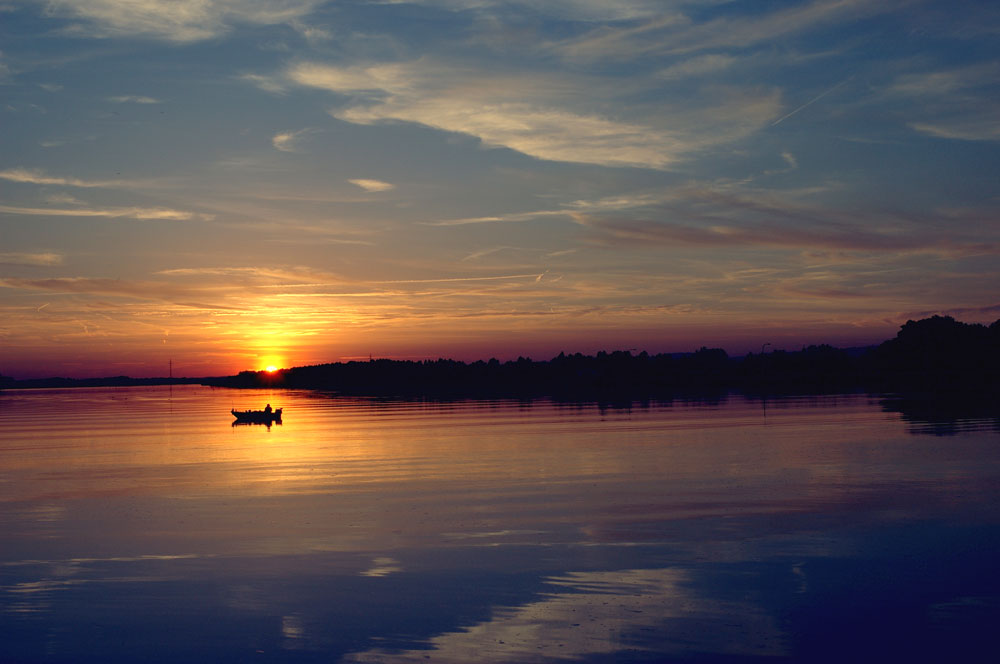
<point>265,416</point>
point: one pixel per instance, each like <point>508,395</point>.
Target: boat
<point>265,416</point>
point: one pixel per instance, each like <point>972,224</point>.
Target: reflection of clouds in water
<point>383,566</point>
<point>245,597</point>
<point>40,520</point>
<point>603,613</point>
<point>44,513</point>
<point>32,596</point>
<point>57,576</point>
<point>293,631</point>
<point>492,535</point>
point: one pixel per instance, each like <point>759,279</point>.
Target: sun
<point>270,363</point>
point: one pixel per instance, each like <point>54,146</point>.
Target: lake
<point>139,524</point>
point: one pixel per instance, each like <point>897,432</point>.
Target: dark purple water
<point>139,525</point>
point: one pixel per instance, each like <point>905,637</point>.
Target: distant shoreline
<point>936,354</point>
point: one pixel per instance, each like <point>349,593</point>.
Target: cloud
<point>678,34</point>
<point>40,259</point>
<point>982,128</point>
<point>133,99</point>
<point>958,103</point>
<point>286,141</point>
<point>697,66</point>
<point>300,276</point>
<point>513,217</point>
<point>705,217</point>
<point>655,232</point>
<point>63,199</point>
<point>270,84</point>
<point>113,213</point>
<point>570,211</point>
<point>311,33</point>
<point>142,290</point>
<point>482,253</point>
<point>176,21</point>
<point>943,83</point>
<point>372,185</point>
<point>457,279</point>
<point>567,10</point>
<point>34,176</point>
<point>540,115</point>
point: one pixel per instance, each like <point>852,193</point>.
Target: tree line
<point>937,353</point>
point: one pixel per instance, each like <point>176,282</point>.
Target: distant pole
<point>171,369</point>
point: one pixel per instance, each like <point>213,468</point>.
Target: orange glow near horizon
<point>270,363</point>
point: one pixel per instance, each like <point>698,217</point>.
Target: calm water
<point>138,525</point>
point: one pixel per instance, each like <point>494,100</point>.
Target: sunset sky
<point>229,184</point>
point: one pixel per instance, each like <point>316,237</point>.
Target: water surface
<point>138,524</point>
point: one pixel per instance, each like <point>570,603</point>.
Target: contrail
<point>811,102</point>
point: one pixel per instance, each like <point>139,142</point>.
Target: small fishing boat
<point>265,416</point>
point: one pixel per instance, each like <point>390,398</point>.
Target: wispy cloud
<point>546,116</point>
<point>982,128</point>
<point>137,289</point>
<point>272,84</point>
<point>301,276</point>
<point>372,185</point>
<point>958,103</point>
<point>482,253</point>
<point>569,211</point>
<point>178,20</point>
<point>133,99</point>
<point>678,34</point>
<point>946,82</point>
<point>569,10</point>
<point>655,232</point>
<point>43,259</point>
<point>287,141</point>
<point>34,176</point>
<point>697,66</point>
<point>512,217</point>
<point>444,280</point>
<point>705,217</point>
<point>165,214</point>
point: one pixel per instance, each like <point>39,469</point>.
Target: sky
<point>230,184</point>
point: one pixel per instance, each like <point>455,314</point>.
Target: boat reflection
<point>250,423</point>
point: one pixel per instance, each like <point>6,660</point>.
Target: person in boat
<point>267,409</point>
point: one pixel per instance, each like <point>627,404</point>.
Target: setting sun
<point>270,363</point>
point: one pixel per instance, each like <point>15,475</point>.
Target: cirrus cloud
<point>34,176</point>
<point>176,21</point>
<point>372,185</point>
<point>42,259</point>
<point>145,214</point>
<point>543,116</point>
